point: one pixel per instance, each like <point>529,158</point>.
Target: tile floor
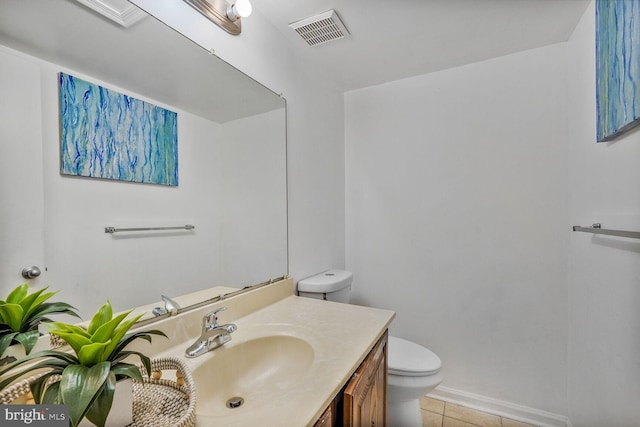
<point>436,413</point>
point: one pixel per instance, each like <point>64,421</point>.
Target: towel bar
<point>597,229</point>
<point>112,230</point>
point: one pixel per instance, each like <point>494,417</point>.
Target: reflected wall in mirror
<point>231,154</point>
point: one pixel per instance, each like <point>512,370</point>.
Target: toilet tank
<point>332,285</point>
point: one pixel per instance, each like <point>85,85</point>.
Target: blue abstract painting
<point>109,135</point>
<point>617,67</point>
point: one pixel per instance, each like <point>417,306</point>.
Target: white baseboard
<point>500,408</point>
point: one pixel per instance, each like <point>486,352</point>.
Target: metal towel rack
<point>112,230</point>
<point>597,229</point>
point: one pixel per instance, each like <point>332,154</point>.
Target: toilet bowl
<point>413,370</point>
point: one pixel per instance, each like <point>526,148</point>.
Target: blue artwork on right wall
<point>617,67</point>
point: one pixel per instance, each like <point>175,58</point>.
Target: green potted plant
<point>22,313</point>
<point>87,377</point>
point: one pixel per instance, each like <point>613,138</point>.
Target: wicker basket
<point>17,393</point>
<point>164,403</point>
<point>156,401</point>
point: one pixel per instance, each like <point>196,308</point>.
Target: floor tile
<point>471,416</point>
<point>432,405</point>
<point>506,422</point>
<point>452,422</point>
<point>431,419</point>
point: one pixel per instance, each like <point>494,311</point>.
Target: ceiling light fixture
<point>227,16</point>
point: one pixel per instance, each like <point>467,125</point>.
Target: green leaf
<point>47,355</point>
<point>37,315</point>
<point>52,394</point>
<point>43,297</point>
<point>105,332</point>
<point>80,387</point>
<point>5,341</point>
<point>38,388</point>
<point>28,340</point>
<point>99,410</point>
<point>122,355</point>
<point>18,294</point>
<point>146,335</point>
<point>74,340</point>
<point>54,327</point>
<point>55,362</point>
<point>46,394</point>
<point>102,316</point>
<point>11,314</point>
<point>93,353</point>
<point>29,301</point>
<point>32,308</point>
<point>118,334</point>
<point>127,370</point>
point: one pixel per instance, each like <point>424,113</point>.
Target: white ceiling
<point>168,67</point>
<point>391,40</point>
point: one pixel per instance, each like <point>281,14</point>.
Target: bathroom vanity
<point>362,402</point>
<point>292,360</point>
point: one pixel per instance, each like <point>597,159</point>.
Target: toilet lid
<point>410,359</point>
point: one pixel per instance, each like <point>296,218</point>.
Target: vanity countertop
<point>333,339</point>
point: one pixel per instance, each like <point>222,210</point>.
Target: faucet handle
<point>211,319</point>
<point>170,305</point>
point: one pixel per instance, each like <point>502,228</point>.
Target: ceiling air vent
<point>120,11</point>
<point>321,28</point>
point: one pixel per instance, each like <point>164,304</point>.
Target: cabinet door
<point>326,420</point>
<point>365,397</point>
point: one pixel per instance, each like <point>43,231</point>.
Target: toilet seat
<point>406,358</point>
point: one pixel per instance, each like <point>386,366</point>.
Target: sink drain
<point>235,402</point>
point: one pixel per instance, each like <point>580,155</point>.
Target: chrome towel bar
<point>597,229</point>
<point>112,230</point>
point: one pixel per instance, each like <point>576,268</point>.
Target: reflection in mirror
<point>231,154</point>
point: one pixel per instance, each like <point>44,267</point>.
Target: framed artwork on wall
<point>109,135</point>
<point>617,67</point>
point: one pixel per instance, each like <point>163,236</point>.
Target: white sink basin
<point>249,374</point>
<point>287,359</point>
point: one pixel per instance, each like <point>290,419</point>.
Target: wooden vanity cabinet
<point>365,397</point>
<point>363,401</point>
<point>328,417</point>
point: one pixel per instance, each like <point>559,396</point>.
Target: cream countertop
<point>341,336</point>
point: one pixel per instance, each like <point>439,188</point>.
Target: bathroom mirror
<point>231,165</point>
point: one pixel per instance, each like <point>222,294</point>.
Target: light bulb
<point>244,8</point>
<point>240,9</point>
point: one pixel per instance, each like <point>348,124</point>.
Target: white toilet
<point>413,370</point>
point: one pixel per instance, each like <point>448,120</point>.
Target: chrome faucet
<point>212,335</point>
<point>170,306</point>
